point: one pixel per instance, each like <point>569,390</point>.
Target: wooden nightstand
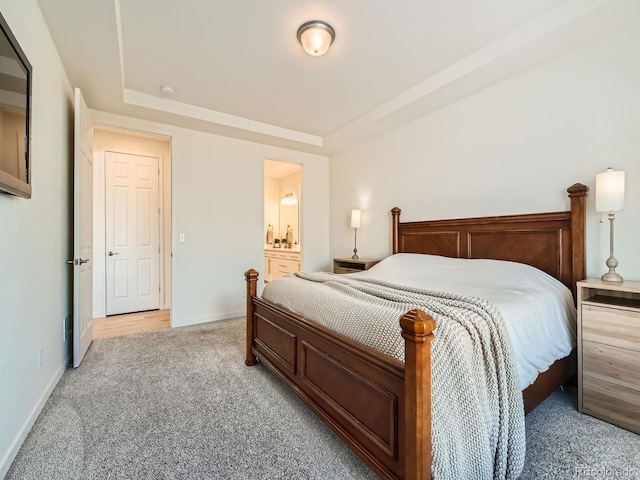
<point>609,351</point>
<point>352,265</point>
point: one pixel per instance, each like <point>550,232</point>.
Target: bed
<point>334,375</point>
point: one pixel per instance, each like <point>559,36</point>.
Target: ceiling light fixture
<point>315,37</point>
<point>288,199</point>
<point>166,89</point>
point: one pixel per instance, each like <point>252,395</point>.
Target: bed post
<point>417,330</point>
<point>251,277</point>
<point>395,214</point>
<point>578,195</point>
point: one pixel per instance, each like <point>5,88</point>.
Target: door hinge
<point>158,210</point>
<point>158,250</point>
<point>159,289</point>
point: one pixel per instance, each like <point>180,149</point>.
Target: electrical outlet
<point>40,358</point>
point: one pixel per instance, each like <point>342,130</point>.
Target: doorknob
<point>111,254</point>
<point>78,261</point>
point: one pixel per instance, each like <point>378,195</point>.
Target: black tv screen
<point>15,116</point>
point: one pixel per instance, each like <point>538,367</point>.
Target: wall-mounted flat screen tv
<point>15,116</point>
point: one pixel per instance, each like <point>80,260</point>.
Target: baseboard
<point>184,322</point>
<point>10,456</point>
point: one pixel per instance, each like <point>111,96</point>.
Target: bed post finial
<point>395,214</point>
<point>417,331</point>
<point>251,277</point>
<point>578,195</point>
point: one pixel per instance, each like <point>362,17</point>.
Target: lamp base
<point>611,277</point>
<point>355,244</point>
<point>612,263</point>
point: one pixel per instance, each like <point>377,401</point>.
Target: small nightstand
<point>352,265</point>
<point>609,351</point>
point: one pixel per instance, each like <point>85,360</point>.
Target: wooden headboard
<point>552,242</point>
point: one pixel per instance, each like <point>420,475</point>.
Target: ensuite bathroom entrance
<point>282,219</point>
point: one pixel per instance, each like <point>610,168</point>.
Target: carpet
<point>181,404</point>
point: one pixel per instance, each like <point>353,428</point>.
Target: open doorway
<point>282,219</point>
<point>132,231</point>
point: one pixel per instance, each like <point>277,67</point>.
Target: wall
<point>136,144</point>
<point>218,203</point>
<point>512,148</point>
<point>271,206</point>
<point>35,241</point>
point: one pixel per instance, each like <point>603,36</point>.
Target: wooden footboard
<point>379,407</point>
<point>375,404</point>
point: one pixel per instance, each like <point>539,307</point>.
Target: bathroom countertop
<point>293,249</point>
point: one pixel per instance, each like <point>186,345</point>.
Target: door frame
<point>126,145</point>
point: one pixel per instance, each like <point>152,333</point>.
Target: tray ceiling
<point>238,70</point>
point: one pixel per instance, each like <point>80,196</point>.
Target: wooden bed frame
<point>379,407</point>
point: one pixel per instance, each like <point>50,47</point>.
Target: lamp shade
<point>355,218</point>
<point>610,191</point>
<point>316,37</point>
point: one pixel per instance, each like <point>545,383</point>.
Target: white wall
<point>218,203</point>
<point>35,242</point>
<point>130,143</point>
<point>512,148</point>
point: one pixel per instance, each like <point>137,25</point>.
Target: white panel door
<point>132,233</point>
<point>82,230</point>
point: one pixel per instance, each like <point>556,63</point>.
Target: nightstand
<point>609,351</point>
<point>352,265</point>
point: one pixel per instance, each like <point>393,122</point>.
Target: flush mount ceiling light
<point>315,37</point>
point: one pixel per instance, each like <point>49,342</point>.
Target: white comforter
<point>538,309</point>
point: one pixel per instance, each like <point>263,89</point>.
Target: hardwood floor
<point>119,325</point>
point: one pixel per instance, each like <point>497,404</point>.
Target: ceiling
<point>276,169</point>
<point>238,70</point>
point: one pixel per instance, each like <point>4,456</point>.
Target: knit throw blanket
<point>477,410</point>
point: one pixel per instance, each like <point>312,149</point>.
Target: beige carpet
<point>181,404</point>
